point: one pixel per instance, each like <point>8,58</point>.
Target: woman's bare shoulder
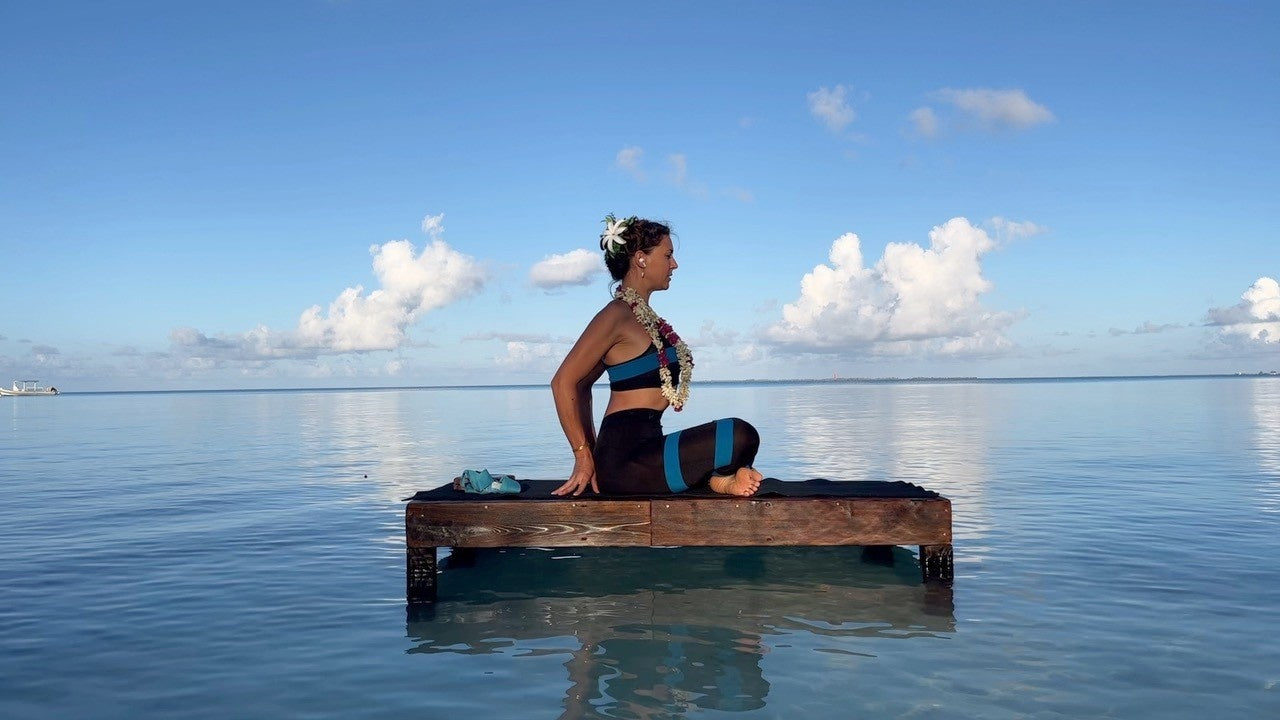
<point>601,334</point>
<point>612,314</point>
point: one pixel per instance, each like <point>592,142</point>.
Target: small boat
<point>27,387</point>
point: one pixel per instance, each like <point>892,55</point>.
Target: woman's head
<point>625,237</point>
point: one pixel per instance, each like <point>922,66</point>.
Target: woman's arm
<point>585,414</point>
<point>571,389</point>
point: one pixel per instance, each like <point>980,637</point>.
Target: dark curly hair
<point>640,234</point>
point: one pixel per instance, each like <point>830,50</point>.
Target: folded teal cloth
<point>481,481</point>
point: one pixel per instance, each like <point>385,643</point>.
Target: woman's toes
<point>748,481</point>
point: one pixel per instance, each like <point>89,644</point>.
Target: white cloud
<point>679,169</point>
<point>1150,328</point>
<point>516,337</point>
<point>712,334</point>
<point>411,284</point>
<point>679,176</point>
<point>1256,318</point>
<point>831,107</point>
<point>528,355</point>
<point>925,122</point>
<point>576,267</point>
<point>1146,328</point>
<point>996,109</point>
<point>628,160</point>
<point>433,226</point>
<point>1007,231</point>
<point>913,300</point>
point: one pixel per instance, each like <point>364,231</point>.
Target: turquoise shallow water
<point>241,555</point>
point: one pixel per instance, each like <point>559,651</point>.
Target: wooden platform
<point>816,512</point>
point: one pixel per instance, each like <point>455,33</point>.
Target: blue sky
<point>317,193</point>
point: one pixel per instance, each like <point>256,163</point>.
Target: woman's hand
<point>584,476</point>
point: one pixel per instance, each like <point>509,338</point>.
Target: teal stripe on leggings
<point>671,463</point>
<point>724,442</point>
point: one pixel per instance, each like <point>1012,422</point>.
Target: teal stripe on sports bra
<point>647,362</point>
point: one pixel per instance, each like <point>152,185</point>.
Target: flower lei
<point>611,240</point>
<point>659,329</point>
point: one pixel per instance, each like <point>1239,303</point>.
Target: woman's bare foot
<point>742,483</point>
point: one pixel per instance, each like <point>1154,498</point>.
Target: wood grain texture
<point>559,523</point>
<point>788,521</point>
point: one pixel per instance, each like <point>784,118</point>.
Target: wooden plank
<point>801,521</point>
<point>528,523</point>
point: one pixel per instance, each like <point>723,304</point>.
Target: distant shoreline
<point>748,382</point>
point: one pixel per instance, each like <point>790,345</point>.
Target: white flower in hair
<point>611,240</point>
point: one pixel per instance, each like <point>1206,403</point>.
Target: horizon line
<point>750,381</point>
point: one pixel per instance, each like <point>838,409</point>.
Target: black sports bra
<point>642,371</point>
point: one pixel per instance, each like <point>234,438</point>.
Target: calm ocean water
<point>240,554</point>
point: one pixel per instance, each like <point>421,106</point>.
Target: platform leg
<point>936,563</point>
<point>420,574</point>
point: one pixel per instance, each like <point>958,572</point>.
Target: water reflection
<point>412,439</point>
<point>402,440</point>
<point>694,638</point>
<point>934,435</point>
<point>1266,439</point>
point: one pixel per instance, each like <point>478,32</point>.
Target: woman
<point>649,368</point>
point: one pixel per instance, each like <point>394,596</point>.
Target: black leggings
<point>633,457</point>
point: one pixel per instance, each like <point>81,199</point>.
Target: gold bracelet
<point>580,448</point>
